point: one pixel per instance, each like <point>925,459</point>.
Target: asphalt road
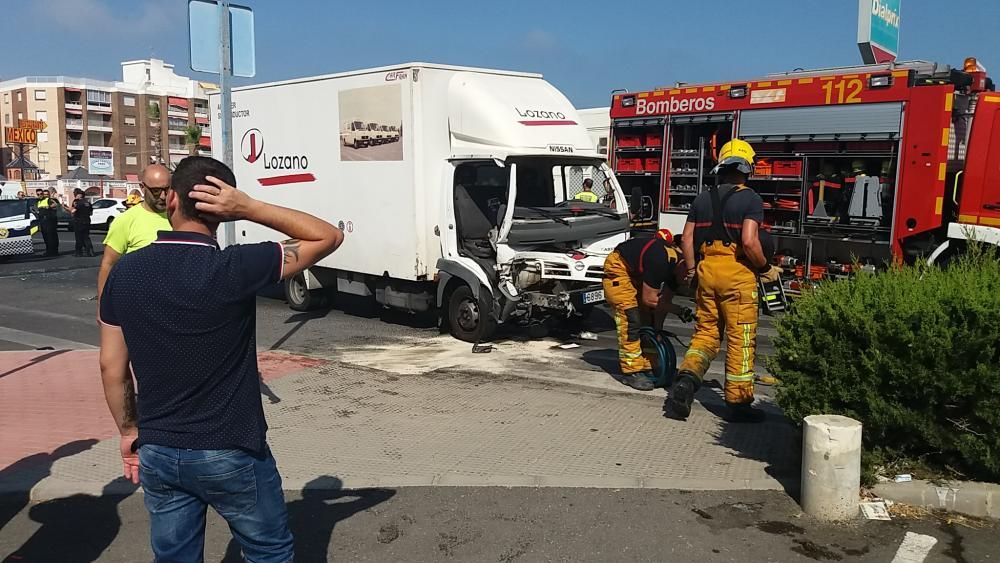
<point>504,525</point>
<point>50,302</point>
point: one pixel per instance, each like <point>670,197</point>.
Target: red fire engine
<point>869,163</point>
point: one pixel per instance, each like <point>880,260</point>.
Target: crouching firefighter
<point>640,278</point>
<point>722,234</point>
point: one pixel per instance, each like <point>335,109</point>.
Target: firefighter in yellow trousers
<point>723,252</point>
<point>640,278</point>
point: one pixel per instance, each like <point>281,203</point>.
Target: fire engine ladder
<point>772,296</point>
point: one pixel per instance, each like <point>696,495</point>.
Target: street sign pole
<point>225,79</point>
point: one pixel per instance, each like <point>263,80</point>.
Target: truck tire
<point>466,318</point>
<point>300,298</point>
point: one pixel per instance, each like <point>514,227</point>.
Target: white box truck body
<point>470,212</point>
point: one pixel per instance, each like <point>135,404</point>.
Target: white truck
<point>472,214</point>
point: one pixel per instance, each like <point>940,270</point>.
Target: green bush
<point>913,353</point>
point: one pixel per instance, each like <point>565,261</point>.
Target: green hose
<point>657,347</point>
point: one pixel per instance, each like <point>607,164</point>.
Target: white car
<point>106,210</point>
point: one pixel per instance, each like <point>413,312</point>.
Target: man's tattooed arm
<point>130,414</point>
<point>290,248</point>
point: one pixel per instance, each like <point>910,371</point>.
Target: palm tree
<point>192,135</point>
<point>154,117</point>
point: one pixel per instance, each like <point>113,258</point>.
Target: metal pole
<point>225,77</point>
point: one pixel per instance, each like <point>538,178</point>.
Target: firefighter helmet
<point>665,235</point>
<point>736,153</point>
<point>133,199</point>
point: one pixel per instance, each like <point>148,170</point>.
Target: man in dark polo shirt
<point>183,312</point>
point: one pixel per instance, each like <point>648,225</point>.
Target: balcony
<point>74,124</point>
<point>75,104</point>
<point>200,111</point>
<point>74,144</point>
<point>174,111</point>
<point>102,126</point>
<point>179,149</point>
<point>99,107</point>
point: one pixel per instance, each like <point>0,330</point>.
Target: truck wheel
<point>300,298</point>
<point>466,318</point>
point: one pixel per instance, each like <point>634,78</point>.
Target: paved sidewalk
<point>447,426</point>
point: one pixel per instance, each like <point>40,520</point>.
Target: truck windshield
<point>358,126</point>
<point>560,199</point>
<point>565,186</point>
<point>373,127</point>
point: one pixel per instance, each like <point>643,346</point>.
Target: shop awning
<point>131,177</point>
<point>201,120</point>
<point>68,89</point>
<point>74,111</point>
<point>179,102</point>
<point>205,141</point>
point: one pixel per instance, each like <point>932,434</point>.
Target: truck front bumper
<point>569,301</point>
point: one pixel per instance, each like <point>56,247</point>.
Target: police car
<point>17,225</point>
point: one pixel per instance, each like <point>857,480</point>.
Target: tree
<point>154,118</point>
<point>192,135</point>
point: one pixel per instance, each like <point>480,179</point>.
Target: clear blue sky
<point>586,48</point>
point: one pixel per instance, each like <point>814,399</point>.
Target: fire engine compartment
<point>852,164</point>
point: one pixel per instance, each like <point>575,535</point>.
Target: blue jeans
<point>180,484</point>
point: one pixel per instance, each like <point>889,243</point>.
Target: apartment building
<point>151,115</point>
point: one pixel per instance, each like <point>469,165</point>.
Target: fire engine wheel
<point>299,297</point>
<point>467,318</point>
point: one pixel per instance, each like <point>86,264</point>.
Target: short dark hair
<point>588,183</point>
<point>192,171</point>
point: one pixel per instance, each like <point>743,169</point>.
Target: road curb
<point>965,497</point>
<point>52,488</point>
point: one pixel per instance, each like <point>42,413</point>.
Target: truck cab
<point>355,134</point>
<point>390,135</point>
<point>376,134</point>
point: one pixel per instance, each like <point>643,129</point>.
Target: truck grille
<point>562,270</point>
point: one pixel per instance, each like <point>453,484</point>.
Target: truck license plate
<point>593,297</point>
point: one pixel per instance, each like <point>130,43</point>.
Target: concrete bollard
<point>831,467</point>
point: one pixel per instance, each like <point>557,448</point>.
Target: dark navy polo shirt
<point>187,311</point>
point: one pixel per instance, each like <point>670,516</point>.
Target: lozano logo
<point>252,145</point>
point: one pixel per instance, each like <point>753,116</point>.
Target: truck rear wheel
<point>299,297</point>
<point>466,317</point>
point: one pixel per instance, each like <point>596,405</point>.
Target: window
<point>6,119</point>
<point>19,98</point>
<point>98,97</point>
<point>43,136</point>
<point>42,115</point>
<point>130,121</point>
<point>20,116</point>
<point>104,203</point>
<point>152,143</point>
<point>130,141</point>
<point>129,101</point>
<point>6,97</point>
<point>131,160</point>
<point>39,94</point>
<point>43,158</point>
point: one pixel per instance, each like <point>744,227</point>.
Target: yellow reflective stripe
<point>697,352</point>
<point>738,378</point>
<point>746,349</point>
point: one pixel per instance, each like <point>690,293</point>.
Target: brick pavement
<point>432,424</point>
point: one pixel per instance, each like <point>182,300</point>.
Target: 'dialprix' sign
<point>878,30</point>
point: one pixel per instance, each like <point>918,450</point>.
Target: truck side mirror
<point>635,202</point>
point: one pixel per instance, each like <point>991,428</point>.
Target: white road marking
<point>915,548</point>
<point>36,340</point>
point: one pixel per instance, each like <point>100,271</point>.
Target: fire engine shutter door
<point>846,123</point>
<point>716,118</point>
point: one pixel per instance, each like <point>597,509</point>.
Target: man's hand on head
<point>220,201</point>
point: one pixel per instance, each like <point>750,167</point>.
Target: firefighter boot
<point>642,381</point>
<point>678,405</point>
<point>743,412</point>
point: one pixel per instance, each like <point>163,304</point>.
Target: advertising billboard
<point>101,161</point>
<point>878,30</point>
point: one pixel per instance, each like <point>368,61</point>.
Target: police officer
<point>722,250</point>
<point>81,210</point>
<point>47,208</point>
<point>640,277</point>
